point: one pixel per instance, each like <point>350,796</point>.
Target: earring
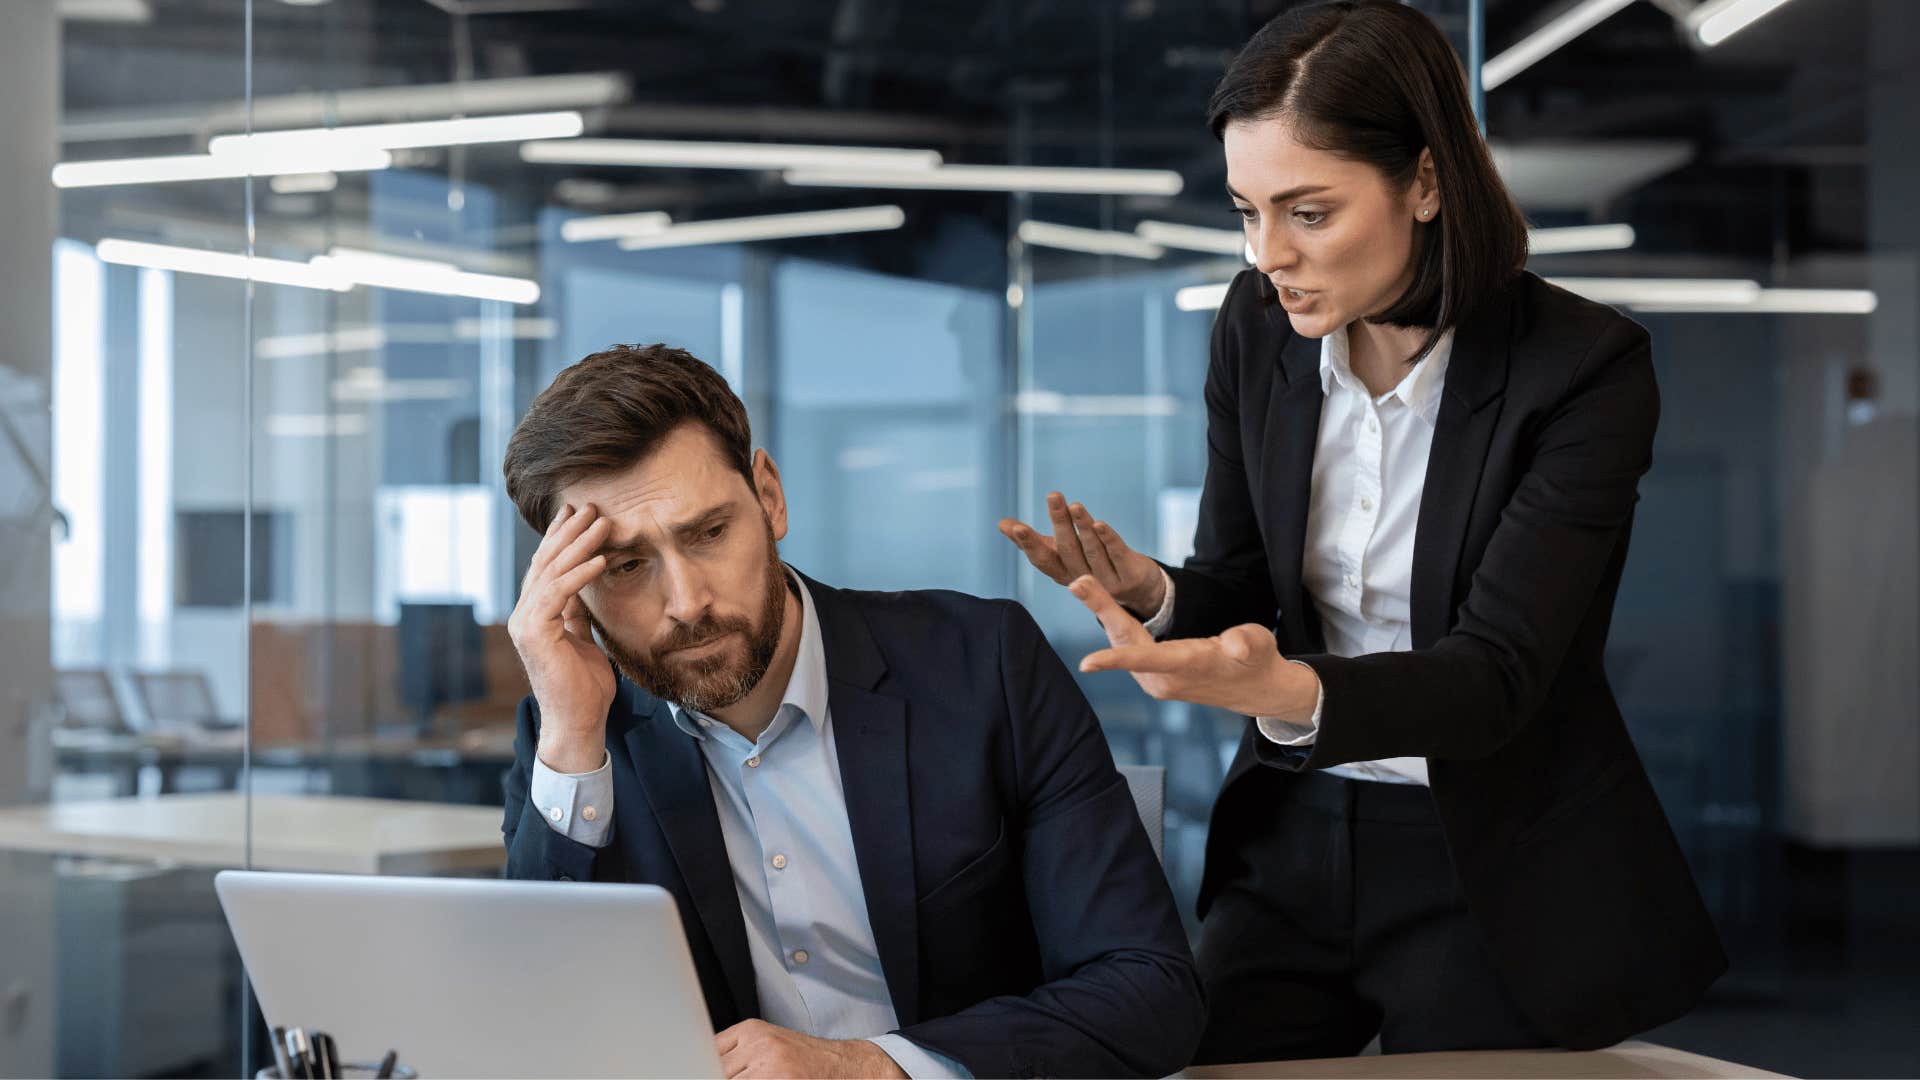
<point>1425,214</point>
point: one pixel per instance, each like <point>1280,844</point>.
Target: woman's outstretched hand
<point>1083,547</point>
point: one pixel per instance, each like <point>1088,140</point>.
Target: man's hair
<point>610,410</point>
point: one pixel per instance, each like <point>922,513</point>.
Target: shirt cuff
<point>1162,619</point>
<point>1287,733</point>
<point>917,1061</point>
<point>578,806</point>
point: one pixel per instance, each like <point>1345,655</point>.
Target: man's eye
<point>713,533</point>
<point>625,568</point>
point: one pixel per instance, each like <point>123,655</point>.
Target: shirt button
<point>556,814</point>
<point>753,762</point>
<point>799,956</point>
<point>779,862</point>
<point>1366,503</point>
<point>1349,581</point>
<point>589,813</point>
<point>1373,426</point>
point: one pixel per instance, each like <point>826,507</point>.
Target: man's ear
<point>773,497</point>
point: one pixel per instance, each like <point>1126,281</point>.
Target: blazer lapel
<point>674,775</point>
<point>1292,432</point>
<point>1476,380</point>
<point>870,737</point>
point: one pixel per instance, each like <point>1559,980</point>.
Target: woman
<point>1421,476</point>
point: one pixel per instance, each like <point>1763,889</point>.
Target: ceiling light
<point>1201,297</point>
<point>120,11</point>
<point>411,135</point>
<point>689,154</point>
<point>1636,291</point>
<point>998,178</point>
<point>771,227</point>
<point>1555,32</point>
<point>613,226</point>
<point>219,264</point>
<point>1558,241</point>
<point>1714,21</point>
<point>1192,237</point>
<point>1780,302</point>
<point>1092,241</point>
<point>423,276</point>
<point>165,170</point>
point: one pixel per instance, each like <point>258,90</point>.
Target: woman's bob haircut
<point>1376,81</point>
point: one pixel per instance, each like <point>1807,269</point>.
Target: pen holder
<point>354,1070</point>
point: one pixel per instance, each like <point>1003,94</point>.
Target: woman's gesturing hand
<point>1081,546</point>
<point>1240,670</point>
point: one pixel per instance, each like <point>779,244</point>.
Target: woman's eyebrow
<point>1290,193</point>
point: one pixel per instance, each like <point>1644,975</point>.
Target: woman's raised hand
<point>1080,546</point>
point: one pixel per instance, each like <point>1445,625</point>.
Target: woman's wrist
<point>1296,693</point>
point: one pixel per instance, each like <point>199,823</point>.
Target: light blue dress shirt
<point>783,815</point>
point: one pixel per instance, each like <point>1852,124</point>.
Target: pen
<point>386,1065</point>
<point>280,1063</point>
<point>323,1055</point>
<point>298,1047</point>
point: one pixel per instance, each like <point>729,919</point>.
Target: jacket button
<point>566,877</point>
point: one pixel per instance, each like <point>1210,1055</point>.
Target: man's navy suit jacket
<point>1023,923</point>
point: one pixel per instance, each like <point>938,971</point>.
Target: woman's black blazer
<point>1545,426</point>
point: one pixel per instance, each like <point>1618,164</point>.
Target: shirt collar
<point>806,687</point>
<point>1419,390</point>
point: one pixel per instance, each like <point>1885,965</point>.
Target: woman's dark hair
<point>1376,81</point>
<point>612,409</point>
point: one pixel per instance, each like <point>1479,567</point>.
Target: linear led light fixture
<point>117,11</point>
<point>690,154</point>
<point>304,183</point>
<point>1061,181</point>
<point>1201,297</point>
<point>1558,241</point>
<point>581,230</point>
<point>1192,237</point>
<point>771,227</point>
<point>218,264</point>
<point>410,135</point>
<point>1782,302</point>
<point>1636,291</point>
<point>1557,31</point>
<point>1091,241</point>
<point>1717,20</point>
<point>422,276</point>
<point>232,166</point>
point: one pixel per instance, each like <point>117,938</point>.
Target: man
<point>896,837</point>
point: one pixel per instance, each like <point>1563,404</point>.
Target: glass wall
<point>260,558</point>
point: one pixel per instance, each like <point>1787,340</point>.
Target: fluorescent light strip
<point>1559,30</point>
<point>422,276</point>
<point>1579,238</point>
<point>771,227</point>
<point>304,183</point>
<point>117,11</point>
<point>1717,20</point>
<point>1092,241</point>
<point>1192,237</point>
<point>723,155</point>
<point>1634,291</point>
<point>166,170</point>
<point>998,178</point>
<point>580,230</point>
<point>1201,297</point>
<point>1781,302</point>
<point>411,135</point>
<point>219,264</point>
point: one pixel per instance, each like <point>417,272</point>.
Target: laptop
<point>474,977</point>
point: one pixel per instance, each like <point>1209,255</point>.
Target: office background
<point>257,551</point>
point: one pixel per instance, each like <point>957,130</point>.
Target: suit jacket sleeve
<point>1226,581</point>
<point>535,851</point>
<point>1563,528</point>
<point>1121,996</point>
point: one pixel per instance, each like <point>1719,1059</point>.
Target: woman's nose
<point>1271,252</point>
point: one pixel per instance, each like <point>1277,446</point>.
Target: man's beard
<point>715,681</point>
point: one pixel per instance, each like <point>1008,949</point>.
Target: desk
<point>1628,1060</point>
<point>317,833</point>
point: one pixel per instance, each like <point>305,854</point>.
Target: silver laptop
<point>470,977</point>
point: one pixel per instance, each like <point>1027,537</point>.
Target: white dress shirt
<point>789,844</point>
<point>1369,469</point>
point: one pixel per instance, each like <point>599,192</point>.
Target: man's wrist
<point>572,755</point>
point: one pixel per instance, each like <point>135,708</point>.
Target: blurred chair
<point>87,701</point>
<point>1148,785</point>
<point>178,699</point>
